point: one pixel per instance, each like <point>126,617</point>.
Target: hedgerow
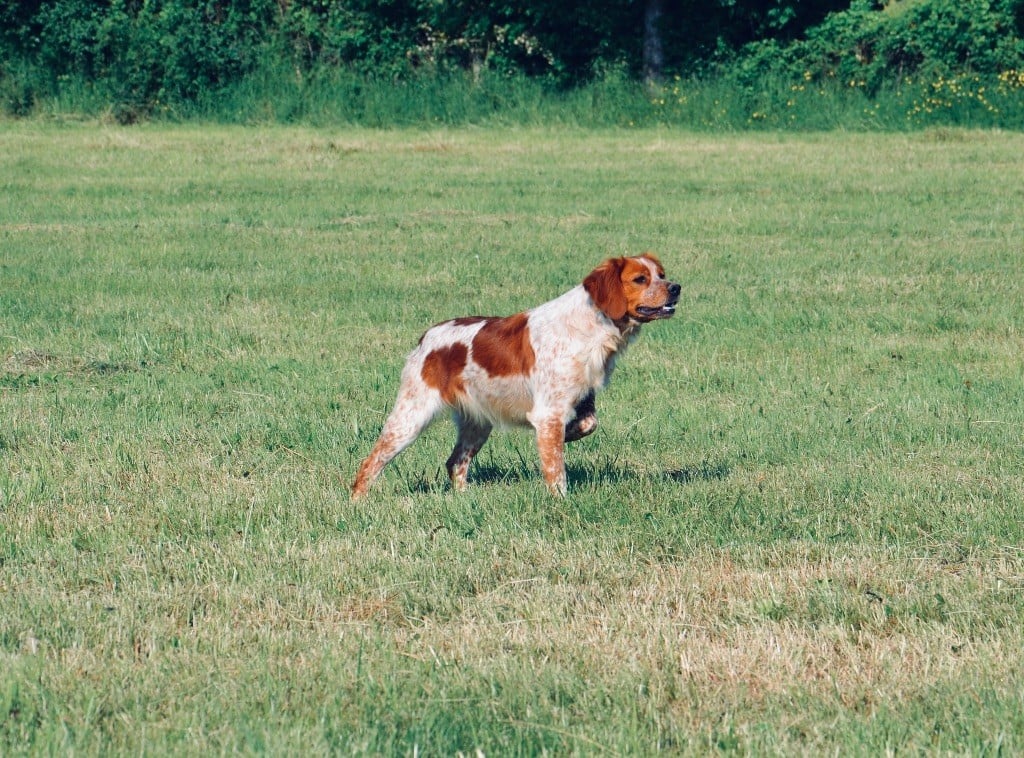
<point>748,62</point>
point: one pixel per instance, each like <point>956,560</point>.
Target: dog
<point>540,368</point>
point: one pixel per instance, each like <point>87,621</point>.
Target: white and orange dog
<point>539,368</point>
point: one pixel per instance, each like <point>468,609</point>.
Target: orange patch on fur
<point>631,269</point>
<point>613,285</point>
<point>442,370</point>
<point>604,285</point>
<point>502,347</point>
<point>654,259</point>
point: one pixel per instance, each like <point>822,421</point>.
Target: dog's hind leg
<point>472,436</point>
<point>413,411</point>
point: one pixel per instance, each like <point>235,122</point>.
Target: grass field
<point>799,529</point>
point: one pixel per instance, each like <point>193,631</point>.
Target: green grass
<point>715,103</point>
<point>800,527</point>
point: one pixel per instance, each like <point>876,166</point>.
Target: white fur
<point>575,345</point>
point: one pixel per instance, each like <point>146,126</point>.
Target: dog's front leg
<point>551,447</point>
<point>586,419</point>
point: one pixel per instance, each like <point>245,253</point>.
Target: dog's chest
<point>575,344</point>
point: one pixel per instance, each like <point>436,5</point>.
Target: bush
<point>419,61</point>
<point>143,56</point>
<point>875,46</point>
<point>17,97</point>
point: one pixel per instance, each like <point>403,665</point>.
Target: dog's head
<point>632,289</point>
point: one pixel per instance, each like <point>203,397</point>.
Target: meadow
<point>799,528</point>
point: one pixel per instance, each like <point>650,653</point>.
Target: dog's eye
<point>640,279</point>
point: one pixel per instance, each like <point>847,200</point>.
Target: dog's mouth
<point>665,311</point>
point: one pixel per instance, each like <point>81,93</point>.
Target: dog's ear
<point>604,285</point>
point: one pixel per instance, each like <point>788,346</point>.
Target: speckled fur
<point>552,360</point>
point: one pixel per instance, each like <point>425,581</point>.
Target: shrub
<point>144,55</point>
<point>872,45</point>
<point>418,61</point>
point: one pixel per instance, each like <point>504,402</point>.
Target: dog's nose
<point>673,289</point>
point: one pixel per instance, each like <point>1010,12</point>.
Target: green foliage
<point>173,58</point>
<point>879,47</point>
<point>140,57</point>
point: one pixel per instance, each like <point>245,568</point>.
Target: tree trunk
<point>653,53</point>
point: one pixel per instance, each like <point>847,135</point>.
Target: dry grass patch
<point>861,629</point>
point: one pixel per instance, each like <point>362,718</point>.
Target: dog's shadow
<point>605,473</point>
<point>608,472</point>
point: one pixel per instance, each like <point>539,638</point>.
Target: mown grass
<point>799,528</point>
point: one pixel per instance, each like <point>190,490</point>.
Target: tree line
<point>145,52</point>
